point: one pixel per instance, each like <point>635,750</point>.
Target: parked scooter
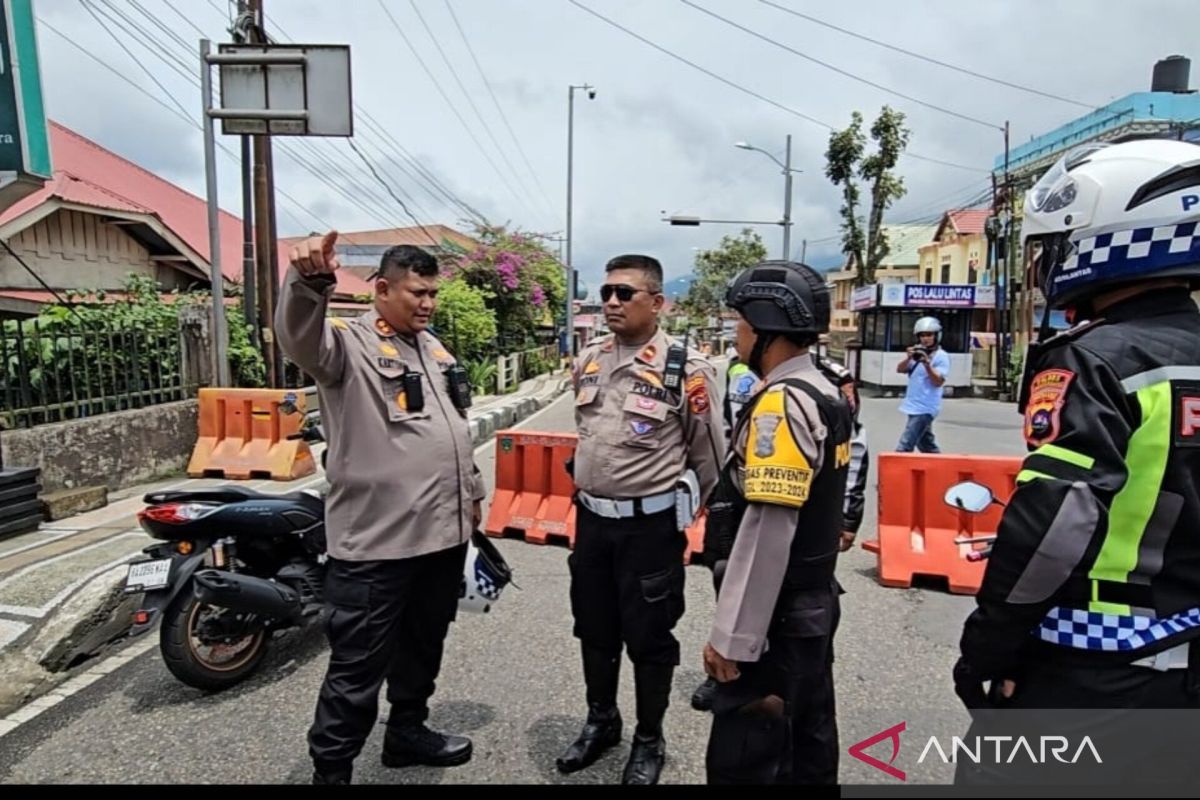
<point>234,566</point>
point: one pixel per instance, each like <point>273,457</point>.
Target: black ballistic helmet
<point>781,297</point>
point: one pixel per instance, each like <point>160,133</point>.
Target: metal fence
<point>515,367</point>
<point>63,370</point>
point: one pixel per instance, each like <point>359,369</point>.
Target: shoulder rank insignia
<point>777,472</point>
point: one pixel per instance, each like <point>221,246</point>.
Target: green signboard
<point>24,135</point>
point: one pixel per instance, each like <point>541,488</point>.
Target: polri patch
<point>1047,395</point>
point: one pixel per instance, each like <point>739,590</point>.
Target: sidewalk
<point>60,586</point>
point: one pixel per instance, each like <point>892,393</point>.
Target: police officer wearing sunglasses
<point>646,414</point>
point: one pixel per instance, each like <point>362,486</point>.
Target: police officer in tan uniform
<point>646,413</point>
<point>771,644</point>
<point>404,498</point>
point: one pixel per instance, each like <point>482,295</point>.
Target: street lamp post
<point>786,166</point>
<point>591,93</point>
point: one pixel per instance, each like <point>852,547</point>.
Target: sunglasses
<point>624,293</point>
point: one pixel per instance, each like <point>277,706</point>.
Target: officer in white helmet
<point>1091,599</point>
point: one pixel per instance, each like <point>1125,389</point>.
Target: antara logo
<point>981,749</point>
<point>892,734</point>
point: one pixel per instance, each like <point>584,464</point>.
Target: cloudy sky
<point>659,135</point>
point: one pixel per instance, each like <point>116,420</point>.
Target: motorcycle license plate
<point>148,575</point>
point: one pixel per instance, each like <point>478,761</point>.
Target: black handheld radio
<point>676,362</point>
<point>414,394</point>
<point>460,386</point>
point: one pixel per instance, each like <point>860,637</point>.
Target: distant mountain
<point>828,263</point>
<point>678,288</point>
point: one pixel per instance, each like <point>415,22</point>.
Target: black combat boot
<point>602,730</point>
<point>653,690</point>
<point>415,743</point>
<point>328,773</point>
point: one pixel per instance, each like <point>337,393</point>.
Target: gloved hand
<point>968,685</point>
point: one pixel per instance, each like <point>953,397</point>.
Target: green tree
<point>463,319</point>
<point>523,284</point>
<point>846,159</point>
<point>841,163</point>
<point>714,269</point>
<point>94,352</point>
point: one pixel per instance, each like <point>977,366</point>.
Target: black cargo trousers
<point>777,723</point>
<point>385,620</point>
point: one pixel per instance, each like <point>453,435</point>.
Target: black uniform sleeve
<point>856,481</point>
<point>1078,425</point>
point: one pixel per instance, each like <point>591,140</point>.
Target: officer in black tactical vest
<point>780,503</point>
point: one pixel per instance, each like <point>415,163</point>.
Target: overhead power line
<point>840,71</point>
<point>954,67</point>
<point>500,109</point>
<point>471,102</point>
<point>437,85</point>
<point>751,92</point>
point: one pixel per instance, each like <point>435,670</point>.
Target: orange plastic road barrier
<point>533,496</point>
<point>917,529</point>
<point>533,490</point>
<point>243,435</point>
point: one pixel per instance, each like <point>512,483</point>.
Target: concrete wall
<point>114,450</point>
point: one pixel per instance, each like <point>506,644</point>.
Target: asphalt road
<point>511,679</point>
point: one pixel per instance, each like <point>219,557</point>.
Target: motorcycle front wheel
<point>209,647</point>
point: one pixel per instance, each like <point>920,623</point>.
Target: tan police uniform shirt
<point>402,481</point>
<point>635,436</point>
<point>763,545</point>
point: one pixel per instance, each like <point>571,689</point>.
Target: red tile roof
<point>969,220</point>
<point>90,175</point>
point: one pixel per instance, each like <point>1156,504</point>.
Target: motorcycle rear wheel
<point>197,660</point>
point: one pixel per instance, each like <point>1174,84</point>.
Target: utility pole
<point>786,166</point>
<point>219,332</point>
<point>803,250</point>
<point>249,285</point>
<point>787,202</point>
<point>264,233</point>
<point>280,377</point>
<point>1003,291</point>
<point>570,316</point>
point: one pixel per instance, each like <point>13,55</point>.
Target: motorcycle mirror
<point>969,496</point>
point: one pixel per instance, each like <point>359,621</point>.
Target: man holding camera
<point>927,367</point>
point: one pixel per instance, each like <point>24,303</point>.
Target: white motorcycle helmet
<point>928,325</point>
<point>1110,214</point>
<point>485,574</point>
